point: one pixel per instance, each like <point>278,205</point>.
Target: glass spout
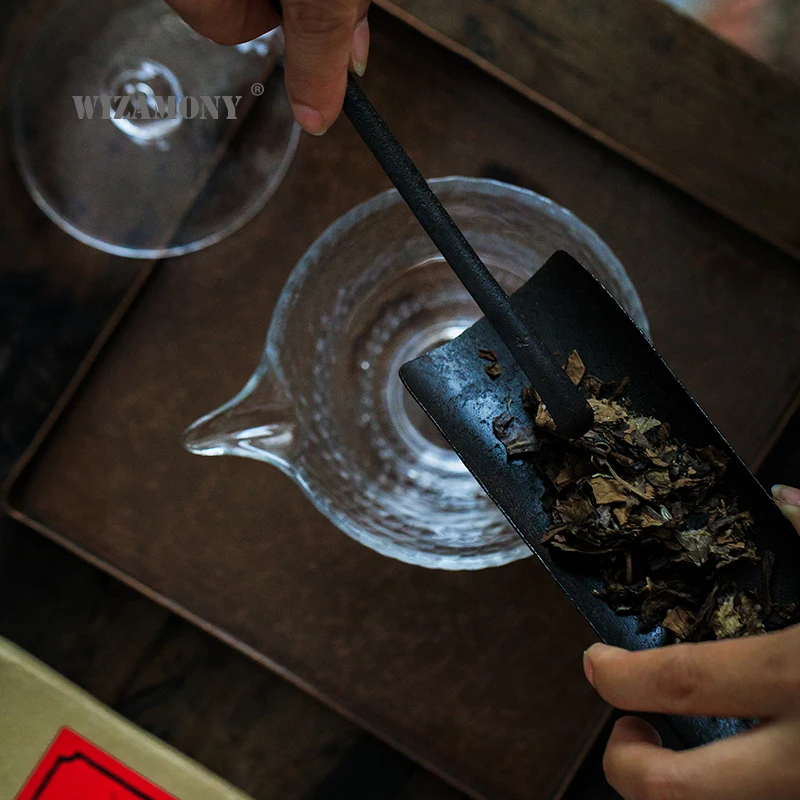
<point>258,423</point>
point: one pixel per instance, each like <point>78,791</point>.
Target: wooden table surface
<point>127,651</point>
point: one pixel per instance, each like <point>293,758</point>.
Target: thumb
<point>323,39</point>
<point>788,500</point>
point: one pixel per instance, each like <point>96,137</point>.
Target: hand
<point>745,23</point>
<point>755,677</point>
<point>324,38</point>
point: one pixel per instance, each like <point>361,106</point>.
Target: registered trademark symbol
<point>257,89</point>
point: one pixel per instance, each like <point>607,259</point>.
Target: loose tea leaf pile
<point>654,513</point>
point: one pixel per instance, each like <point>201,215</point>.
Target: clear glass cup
<point>326,405</point>
<point>124,133</point>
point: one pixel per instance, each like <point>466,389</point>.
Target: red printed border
<point>73,763</point>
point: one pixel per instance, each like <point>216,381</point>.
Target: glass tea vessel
<point>142,138</point>
<point>326,405</point>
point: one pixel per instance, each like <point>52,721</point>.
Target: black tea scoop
<point>570,310</point>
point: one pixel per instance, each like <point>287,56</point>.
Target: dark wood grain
<point>270,739</point>
<point>653,85</point>
<point>72,617</point>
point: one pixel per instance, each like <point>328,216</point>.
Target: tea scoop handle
<point>565,401</point>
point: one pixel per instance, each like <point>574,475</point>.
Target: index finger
<point>228,21</point>
<point>760,763</point>
<point>757,676</point>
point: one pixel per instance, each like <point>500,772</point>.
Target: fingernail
<point>361,48</point>
<point>309,119</point>
<point>588,669</point>
<point>587,666</point>
<point>786,494</point>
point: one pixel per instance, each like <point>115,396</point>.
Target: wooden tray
<point>476,675</point>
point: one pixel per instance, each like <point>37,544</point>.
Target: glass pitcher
<point>326,405</point>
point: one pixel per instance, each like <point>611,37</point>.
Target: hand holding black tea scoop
<point>566,402</point>
<point>564,309</point>
<point>570,311</point>
<point>588,320</point>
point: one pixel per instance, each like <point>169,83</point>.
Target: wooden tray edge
<point>114,321</point>
<point>592,131</point>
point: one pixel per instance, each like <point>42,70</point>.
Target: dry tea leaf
<point>575,368</point>
<point>643,425</point>
<point>487,355</point>
<point>517,436</point>
<point>565,477</point>
<point>697,545</point>
<point>725,622</point>
<point>656,606</point>
<point>750,614</point>
<point>493,370</point>
<point>679,621</point>
<point>607,490</point>
<point>717,459</point>
<point>592,385</point>
<point>659,479</point>
<point>622,513</point>
<point>544,420</point>
<point>575,510</point>
<point>619,389</point>
<point>530,399</point>
<point>605,412</point>
<point>736,615</point>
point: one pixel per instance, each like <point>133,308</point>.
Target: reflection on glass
<point>142,138</point>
